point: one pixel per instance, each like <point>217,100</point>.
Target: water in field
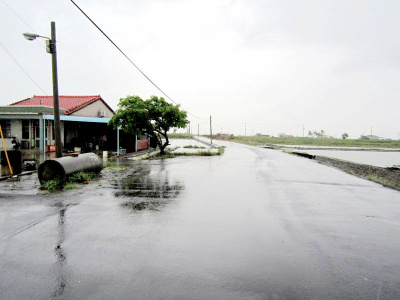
<point>374,158</point>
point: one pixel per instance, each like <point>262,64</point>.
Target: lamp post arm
<point>44,37</point>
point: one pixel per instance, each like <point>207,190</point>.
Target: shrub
<point>52,185</point>
<point>58,185</point>
<point>194,147</point>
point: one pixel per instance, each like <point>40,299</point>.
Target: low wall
<point>142,144</point>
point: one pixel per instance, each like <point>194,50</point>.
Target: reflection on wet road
<point>60,256</point>
<point>145,192</point>
<point>251,224</point>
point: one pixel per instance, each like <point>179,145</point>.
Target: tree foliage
<point>154,117</point>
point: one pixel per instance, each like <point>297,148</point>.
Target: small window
<point>36,128</point>
<point>6,128</point>
<point>25,129</point>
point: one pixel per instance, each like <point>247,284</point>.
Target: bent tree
<point>154,117</point>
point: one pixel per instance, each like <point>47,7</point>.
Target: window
<point>35,133</point>
<point>6,128</point>
<point>36,128</point>
<point>25,129</point>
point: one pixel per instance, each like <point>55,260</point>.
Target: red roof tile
<point>69,103</point>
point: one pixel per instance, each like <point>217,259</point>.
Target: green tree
<point>345,135</point>
<point>153,117</point>
<point>316,133</point>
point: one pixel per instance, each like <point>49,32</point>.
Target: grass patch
<point>326,142</point>
<point>194,147</point>
<point>81,177</point>
<point>70,183</point>
<point>70,186</point>
<point>114,166</point>
<point>170,154</point>
<point>221,150</point>
<point>52,185</point>
<point>180,135</point>
<point>382,181</point>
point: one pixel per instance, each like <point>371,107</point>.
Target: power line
<point>23,70</point>
<point>19,17</point>
<point>126,56</point>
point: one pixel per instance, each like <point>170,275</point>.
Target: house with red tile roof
<point>84,123</point>
<point>84,106</point>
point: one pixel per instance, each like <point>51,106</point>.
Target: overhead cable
<point>126,56</point>
<point>19,17</point>
<point>19,65</point>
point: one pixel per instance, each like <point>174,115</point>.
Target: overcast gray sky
<point>275,65</point>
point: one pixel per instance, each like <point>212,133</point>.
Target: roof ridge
<point>67,96</point>
<point>66,102</point>
<point>20,101</point>
<point>75,108</point>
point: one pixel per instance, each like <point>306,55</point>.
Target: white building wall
<point>9,145</point>
<point>92,110</point>
<point>16,128</point>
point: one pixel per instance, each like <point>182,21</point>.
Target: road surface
<point>252,224</point>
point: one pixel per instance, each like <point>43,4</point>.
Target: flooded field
<point>373,158</point>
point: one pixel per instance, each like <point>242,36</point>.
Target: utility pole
<point>52,46</point>
<point>210,130</point>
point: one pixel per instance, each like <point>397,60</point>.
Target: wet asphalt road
<point>252,224</point>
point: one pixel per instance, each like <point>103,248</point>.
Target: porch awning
<point>78,119</point>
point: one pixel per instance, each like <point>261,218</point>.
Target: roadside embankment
<point>385,176</point>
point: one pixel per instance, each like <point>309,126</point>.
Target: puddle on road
<point>149,187</point>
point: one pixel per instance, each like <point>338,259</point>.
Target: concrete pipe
<point>64,166</point>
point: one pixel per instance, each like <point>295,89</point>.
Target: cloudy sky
<point>274,65</point>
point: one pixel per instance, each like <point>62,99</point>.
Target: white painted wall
<point>9,145</point>
<point>16,128</point>
<point>92,110</point>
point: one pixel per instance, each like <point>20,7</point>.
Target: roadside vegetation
<point>194,147</point>
<point>385,182</point>
<point>171,154</point>
<point>384,176</point>
<point>70,183</point>
<point>180,135</point>
<point>114,166</point>
<point>323,142</point>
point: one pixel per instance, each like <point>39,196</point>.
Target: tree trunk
<point>160,144</point>
<point>162,149</point>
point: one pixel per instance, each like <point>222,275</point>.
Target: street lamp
<point>51,48</point>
